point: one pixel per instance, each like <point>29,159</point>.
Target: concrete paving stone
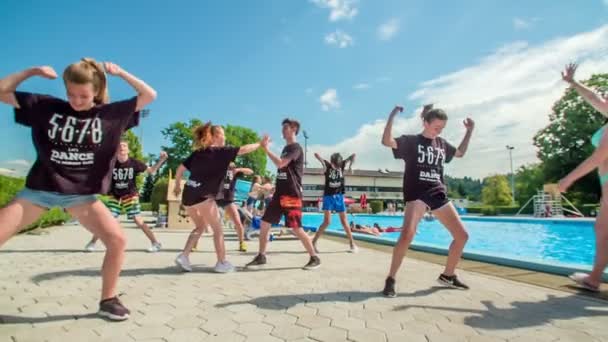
<point>366,335</point>
<point>328,334</point>
<point>313,321</point>
<point>290,332</point>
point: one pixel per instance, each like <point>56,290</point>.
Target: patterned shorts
<point>130,205</point>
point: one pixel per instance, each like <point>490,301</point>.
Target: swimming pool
<point>549,245</point>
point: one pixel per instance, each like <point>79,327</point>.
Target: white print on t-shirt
<point>72,130</point>
<point>432,155</point>
<point>121,185</point>
<point>123,174</point>
<point>431,176</point>
<point>193,184</point>
<point>228,180</point>
<point>334,178</point>
<point>282,176</point>
<point>72,157</point>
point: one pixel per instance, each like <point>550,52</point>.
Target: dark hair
<point>293,123</point>
<point>336,159</point>
<point>434,114</point>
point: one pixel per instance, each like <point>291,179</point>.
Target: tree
<point>496,191</point>
<point>180,135</point>
<point>565,142</point>
<point>528,180</point>
<point>146,192</point>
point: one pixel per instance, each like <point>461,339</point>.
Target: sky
<point>338,66</point>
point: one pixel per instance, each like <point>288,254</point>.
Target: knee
<point>115,240</point>
<point>462,237</point>
<point>408,234</point>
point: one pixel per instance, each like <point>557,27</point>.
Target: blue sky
<point>338,66</point>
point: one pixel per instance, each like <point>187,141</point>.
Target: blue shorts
<point>251,201</point>
<point>334,203</point>
<point>48,199</point>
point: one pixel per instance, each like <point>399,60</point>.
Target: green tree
<point>496,191</point>
<point>180,136</point>
<point>528,180</point>
<point>146,192</point>
<point>565,142</point>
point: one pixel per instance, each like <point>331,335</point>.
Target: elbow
<point>152,95</point>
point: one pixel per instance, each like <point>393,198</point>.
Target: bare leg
<point>414,211</point>
<point>144,227</point>
<point>448,216</point>
<point>17,215</point>
<point>324,225</point>
<point>346,228</point>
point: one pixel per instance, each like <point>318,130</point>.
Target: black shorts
<point>433,199</point>
<point>223,203</point>
<point>290,206</point>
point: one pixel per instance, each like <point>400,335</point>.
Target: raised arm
<point>387,137</point>
<point>252,147</point>
<point>161,160</point>
<point>179,173</point>
<point>321,160</point>
<point>9,84</point>
<point>464,145</point>
<point>590,164</point>
<point>145,93</point>
<point>594,99</point>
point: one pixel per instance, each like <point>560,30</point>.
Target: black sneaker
<point>313,263</point>
<point>258,261</point>
<point>389,288</point>
<point>452,281</point>
<point>113,309</point>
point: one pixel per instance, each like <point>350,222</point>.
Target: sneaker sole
<point>255,266</point>
<point>112,316</point>
<point>182,267</point>
<point>389,295</point>
<point>450,285</point>
<point>223,271</point>
<point>309,268</point>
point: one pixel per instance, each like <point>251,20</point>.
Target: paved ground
<point>49,292</point>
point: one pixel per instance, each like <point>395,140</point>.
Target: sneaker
<point>183,263</point>
<point>258,261</point>
<point>242,246</point>
<point>113,309</point>
<point>314,246</point>
<point>223,267</point>
<point>313,263</point>
<point>452,281</point>
<point>354,249</point>
<point>90,247</point>
<point>156,247</point>
<point>389,288</point>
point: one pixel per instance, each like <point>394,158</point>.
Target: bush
<point>53,217</point>
<point>488,211</point>
<point>376,206</point>
<point>159,193</point>
<point>9,187</point>
<point>146,206</point>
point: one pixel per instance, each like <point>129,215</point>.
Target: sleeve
<point>450,151</point>
<point>140,166</point>
<point>401,151</point>
<point>123,110</point>
<point>188,162</point>
<point>231,153</point>
<point>293,153</point>
<point>33,107</point>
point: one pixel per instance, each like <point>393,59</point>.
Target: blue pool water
<point>553,242</point>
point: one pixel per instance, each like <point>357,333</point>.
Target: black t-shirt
<point>207,170</point>
<point>289,178</point>
<point>334,179</point>
<point>424,159</point>
<point>228,186</point>
<point>76,151</point>
<point>124,176</point>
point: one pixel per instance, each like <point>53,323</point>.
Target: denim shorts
<point>49,199</point>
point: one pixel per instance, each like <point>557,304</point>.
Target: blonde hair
<point>203,135</point>
<point>87,70</point>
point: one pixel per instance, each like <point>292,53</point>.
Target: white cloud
<point>524,24</point>
<point>19,162</point>
<point>339,9</point>
<point>388,30</point>
<point>329,100</point>
<point>509,94</point>
<point>361,86</point>
<point>339,39</point>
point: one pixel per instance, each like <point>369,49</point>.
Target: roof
<point>360,173</point>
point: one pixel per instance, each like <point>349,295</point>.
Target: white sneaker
<point>90,247</point>
<point>354,249</point>
<point>156,247</point>
<point>223,267</point>
<point>183,263</point>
